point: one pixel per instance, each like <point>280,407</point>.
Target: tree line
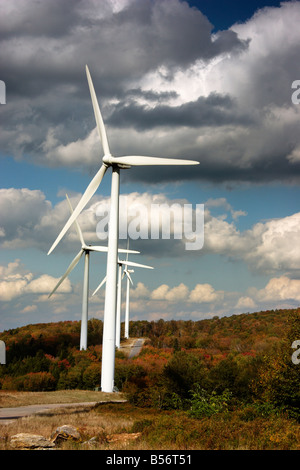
<point>203,367</point>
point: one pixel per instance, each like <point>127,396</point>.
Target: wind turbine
<point>119,290</point>
<point>117,163</point>
<point>129,281</point>
<point>85,249</point>
<point>127,273</point>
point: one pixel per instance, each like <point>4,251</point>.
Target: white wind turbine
<point>127,273</point>
<point>129,281</point>
<point>119,291</point>
<point>117,163</point>
<point>85,249</point>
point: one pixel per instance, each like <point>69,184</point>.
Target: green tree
<point>279,376</point>
<point>91,376</point>
<point>183,371</point>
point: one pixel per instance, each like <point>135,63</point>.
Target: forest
<point>219,365</point>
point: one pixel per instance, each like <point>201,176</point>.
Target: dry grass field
<point>89,422</point>
<point>122,426</point>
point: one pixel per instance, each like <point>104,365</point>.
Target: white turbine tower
<point>127,273</point>
<point>108,160</point>
<point>119,290</point>
<point>86,250</point>
<point>129,281</point>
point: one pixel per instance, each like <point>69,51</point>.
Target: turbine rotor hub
<point>109,160</point>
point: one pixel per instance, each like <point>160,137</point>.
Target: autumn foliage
<point>216,366</point>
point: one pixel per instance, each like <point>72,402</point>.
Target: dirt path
<point>8,415</point>
<point>132,346</point>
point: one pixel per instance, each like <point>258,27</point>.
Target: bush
<point>91,376</point>
<point>11,383</point>
<point>73,378</point>
<point>208,404</point>
<point>38,382</point>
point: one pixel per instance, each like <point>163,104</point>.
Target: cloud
<point>202,293</point>
<point>16,282</point>
<point>204,301</point>
<point>21,210</point>
<point>29,309</point>
<point>167,86</point>
<point>140,291</point>
<point>214,110</point>
<point>29,220</point>
<point>205,293</point>
<point>277,245</point>
<point>160,292</point>
<point>280,289</point>
<point>245,303</point>
<point>72,153</point>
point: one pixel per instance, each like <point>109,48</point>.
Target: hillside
<point>207,365</point>
<point>249,332</point>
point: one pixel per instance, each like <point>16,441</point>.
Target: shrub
<point>11,383</point>
<point>38,382</point>
<point>208,404</point>
<point>91,376</point>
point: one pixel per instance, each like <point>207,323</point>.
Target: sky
<point>208,80</point>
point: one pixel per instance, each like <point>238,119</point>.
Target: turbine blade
<point>99,120</point>
<point>127,248</point>
<point>121,250</point>
<point>130,263</point>
<point>100,285</point>
<point>129,277</point>
<point>70,268</point>
<point>89,192</point>
<point>76,223</point>
<point>136,160</point>
<point>100,249</point>
<point>104,249</point>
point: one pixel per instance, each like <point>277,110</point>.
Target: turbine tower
<point>116,163</point>
<point>129,281</point>
<point>85,249</point>
<point>127,273</point>
<point>119,290</point>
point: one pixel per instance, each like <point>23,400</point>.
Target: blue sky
<point>203,80</point>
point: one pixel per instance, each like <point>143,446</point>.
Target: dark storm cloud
<point>231,128</point>
<point>215,110</point>
<point>48,43</point>
<point>38,18</point>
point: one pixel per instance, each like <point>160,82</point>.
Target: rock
<point>91,443</point>
<point>65,433</point>
<point>30,441</point>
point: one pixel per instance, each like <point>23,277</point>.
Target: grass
<point>112,423</point>
<point>14,399</point>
